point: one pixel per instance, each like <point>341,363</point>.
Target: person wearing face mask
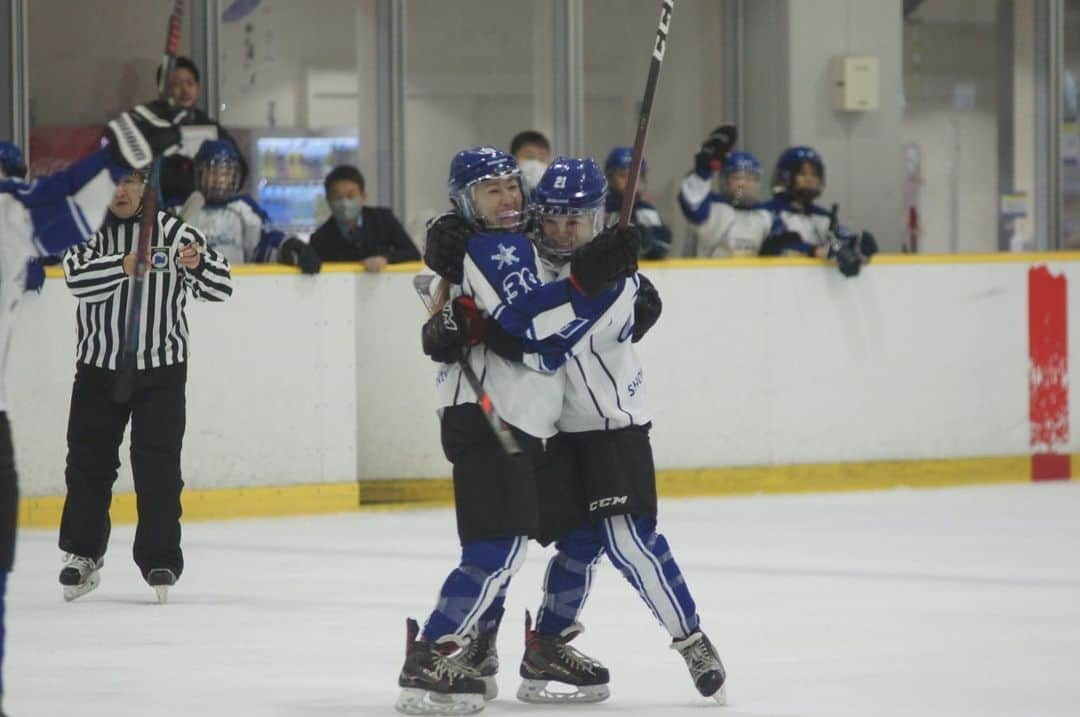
<point>804,227</point>
<point>234,224</point>
<point>178,171</point>
<point>655,236</point>
<point>356,232</point>
<point>532,152</point>
<point>730,222</point>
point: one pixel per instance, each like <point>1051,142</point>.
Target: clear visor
<point>218,179</point>
<point>564,230</point>
<point>496,204</point>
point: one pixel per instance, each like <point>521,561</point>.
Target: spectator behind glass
<point>178,171</point>
<point>655,235</point>
<point>355,232</point>
<point>532,151</point>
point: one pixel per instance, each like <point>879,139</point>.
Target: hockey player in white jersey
<point>233,223</point>
<point>606,421</point>
<point>496,495</point>
<point>804,227</point>
<point>605,497</point>
<point>731,222</point>
<point>45,217</point>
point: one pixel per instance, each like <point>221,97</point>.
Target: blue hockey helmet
<point>620,158</point>
<point>569,201</point>
<point>789,163</point>
<point>742,161</point>
<point>469,168</point>
<point>217,170</point>
<point>11,161</point>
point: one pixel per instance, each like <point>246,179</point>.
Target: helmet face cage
<point>790,164</point>
<point>218,177</point>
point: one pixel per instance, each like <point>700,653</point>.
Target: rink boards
<point>309,394</point>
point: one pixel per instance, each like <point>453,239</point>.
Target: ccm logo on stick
<point>608,502</point>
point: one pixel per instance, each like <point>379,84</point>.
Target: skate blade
<point>414,701</point>
<point>162,594</point>
<point>73,592</point>
<point>537,692</point>
<point>491,688</point>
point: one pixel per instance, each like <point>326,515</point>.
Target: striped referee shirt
<point>95,275</point>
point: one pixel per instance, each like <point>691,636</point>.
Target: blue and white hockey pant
<point>641,554</point>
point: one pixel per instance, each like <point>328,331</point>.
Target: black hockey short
<point>9,496</point>
<point>604,473</point>
<point>494,494</point>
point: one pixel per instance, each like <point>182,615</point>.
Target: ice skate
<point>705,667</point>
<point>434,680</point>
<point>481,655</point>
<point>161,579</point>
<point>550,659</point>
<point>79,576</point>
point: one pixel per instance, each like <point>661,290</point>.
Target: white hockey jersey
<point>721,229</point>
<point>605,382</point>
<point>239,230</point>
<point>46,217</point>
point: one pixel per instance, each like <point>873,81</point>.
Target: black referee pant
<point>95,430</point>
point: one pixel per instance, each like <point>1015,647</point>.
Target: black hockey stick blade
<point>422,285</point>
<point>659,47</point>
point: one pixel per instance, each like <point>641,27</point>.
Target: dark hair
<point>180,61</point>
<point>344,173</point>
<point>529,136</point>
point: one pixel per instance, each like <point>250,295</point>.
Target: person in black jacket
<point>178,171</point>
<point>372,235</point>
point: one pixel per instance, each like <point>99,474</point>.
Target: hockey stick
<point>659,47</point>
<point>129,359</point>
<point>422,284</point>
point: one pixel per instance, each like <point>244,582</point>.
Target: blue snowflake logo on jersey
<point>506,256</point>
<point>518,283</point>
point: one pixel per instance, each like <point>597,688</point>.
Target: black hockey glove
<point>447,239</point>
<point>710,158</point>
<point>504,344</point>
<point>144,131</point>
<point>867,245</point>
<point>446,334</point>
<point>299,253</point>
<point>777,244</point>
<point>847,259</point>
<point>610,256</point>
<point>647,308</point>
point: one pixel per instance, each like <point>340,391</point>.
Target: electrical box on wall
<point>855,83</point>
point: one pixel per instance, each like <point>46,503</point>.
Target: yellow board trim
<point>741,262</point>
<point>396,494</point>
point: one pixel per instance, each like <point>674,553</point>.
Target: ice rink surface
<point>929,602</point>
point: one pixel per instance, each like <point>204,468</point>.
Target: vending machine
<point>287,172</point>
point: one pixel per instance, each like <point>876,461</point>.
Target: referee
<point>98,274</point>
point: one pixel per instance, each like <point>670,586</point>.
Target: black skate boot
<point>161,579</point>
<point>705,667</point>
<point>551,659</point>
<point>481,655</point>
<point>79,575</point>
<point>434,681</point>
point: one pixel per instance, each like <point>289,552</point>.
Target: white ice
<point>927,602</point>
